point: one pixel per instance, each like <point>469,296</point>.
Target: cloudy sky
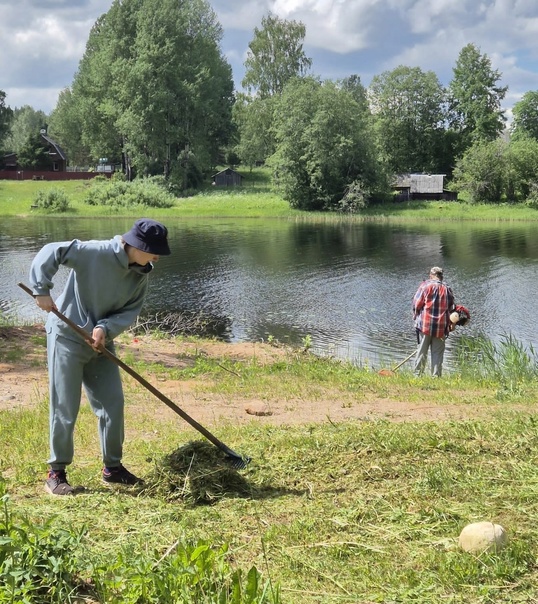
<point>42,41</point>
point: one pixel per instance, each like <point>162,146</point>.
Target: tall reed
<point>507,361</point>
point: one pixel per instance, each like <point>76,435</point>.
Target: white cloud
<point>330,24</point>
<point>42,41</point>
<point>69,43</point>
<point>39,98</point>
<point>42,44</point>
<point>239,14</point>
<point>427,17</point>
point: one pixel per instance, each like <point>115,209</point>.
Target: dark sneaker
<point>120,475</point>
<point>56,483</point>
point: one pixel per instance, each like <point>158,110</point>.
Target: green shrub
<point>45,564</point>
<point>52,200</point>
<point>355,198</point>
<point>507,363</point>
<point>118,176</point>
<point>121,194</point>
<point>100,178</point>
<point>481,172</point>
<point>532,199</point>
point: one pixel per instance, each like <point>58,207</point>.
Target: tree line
<point>154,93</point>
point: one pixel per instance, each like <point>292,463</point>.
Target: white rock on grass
<point>482,536</point>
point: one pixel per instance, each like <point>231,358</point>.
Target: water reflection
<point>347,285</point>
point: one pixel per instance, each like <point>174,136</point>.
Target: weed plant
<point>37,561</point>
<point>48,564</point>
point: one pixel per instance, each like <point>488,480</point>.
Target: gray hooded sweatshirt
<point>102,289</point>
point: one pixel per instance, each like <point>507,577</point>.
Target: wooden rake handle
<point>86,336</point>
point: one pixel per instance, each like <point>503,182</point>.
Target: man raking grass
<point>104,293</point>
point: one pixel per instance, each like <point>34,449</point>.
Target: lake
<point>346,285</point>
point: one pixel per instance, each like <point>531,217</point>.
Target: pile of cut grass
<point>196,473</point>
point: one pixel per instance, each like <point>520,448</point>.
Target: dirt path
<point>23,382</point>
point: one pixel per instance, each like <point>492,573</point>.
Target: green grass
<point>254,199</point>
<point>356,511</point>
<point>17,196</point>
<point>454,211</point>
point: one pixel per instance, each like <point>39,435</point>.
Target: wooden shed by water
<point>227,178</point>
<point>422,186</point>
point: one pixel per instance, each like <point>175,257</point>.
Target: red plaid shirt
<point>432,305</point>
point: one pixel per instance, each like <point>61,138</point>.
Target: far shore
<point>256,201</point>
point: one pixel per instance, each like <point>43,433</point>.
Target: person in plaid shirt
<point>432,305</point>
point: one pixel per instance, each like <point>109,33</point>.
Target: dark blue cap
<point>148,236</point>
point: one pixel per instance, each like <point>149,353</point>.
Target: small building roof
<point>10,159</point>
<point>56,146</point>
<point>427,183</point>
<point>227,171</point>
<point>420,183</point>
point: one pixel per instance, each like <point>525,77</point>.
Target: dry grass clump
<point>196,473</point>
<point>183,323</point>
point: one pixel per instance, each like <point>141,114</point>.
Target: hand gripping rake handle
<point>238,461</point>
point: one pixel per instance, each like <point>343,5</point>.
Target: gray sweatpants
<point>72,365</point>
<point>437,346</point>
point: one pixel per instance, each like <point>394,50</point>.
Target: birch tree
<point>275,56</point>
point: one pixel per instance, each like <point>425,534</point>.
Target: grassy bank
<point>364,510</point>
<point>16,199</point>
<point>255,199</point>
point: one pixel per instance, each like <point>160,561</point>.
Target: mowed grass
<point>358,511</point>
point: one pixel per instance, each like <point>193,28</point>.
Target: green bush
<point>355,198</point>
<point>532,199</point>
<point>118,176</point>
<point>481,172</point>
<point>498,172</point>
<point>52,200</point>
<point>506,362</point>
<point>121,194</point>
<point>194,572</point>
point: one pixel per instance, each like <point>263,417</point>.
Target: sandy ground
<point>23,382</point>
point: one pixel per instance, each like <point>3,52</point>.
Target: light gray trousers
<point>437,346</point>
<point>73,365</point>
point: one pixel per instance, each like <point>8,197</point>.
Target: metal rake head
<point>239,462</point>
